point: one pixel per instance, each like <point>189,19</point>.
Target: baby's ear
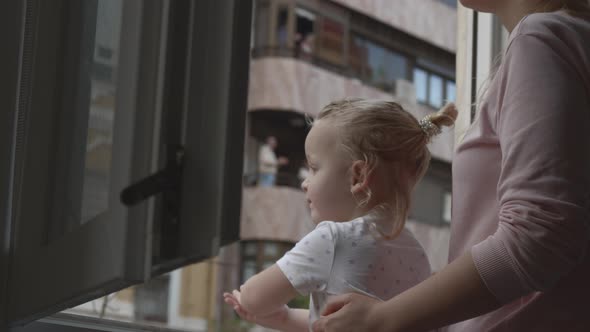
<point>359,176</point>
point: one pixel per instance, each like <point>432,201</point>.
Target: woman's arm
<point>454,294</point>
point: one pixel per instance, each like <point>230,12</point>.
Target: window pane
<point>435,91</point>
<point>378,58</point>
<point>271,249</point>
<point>331,41</point>
<point>376,64</point>
<point>446,214</point>
<point>397,66</point>
<point>250,249</point>
<point>358,57</point>
<point>421,85</point>
<point>83,155</point>
<point>304,35</point>
<point>261,24</point>
<point>102,108</point>
<point>282,32</point>
<point>249,270</point>
<point>450,91</point>
<point>451,3</point>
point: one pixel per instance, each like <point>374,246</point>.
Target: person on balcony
<point>268,163</point>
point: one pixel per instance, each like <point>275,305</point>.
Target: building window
<point>261,24</point>
<point>259,255</point>
<point>450,92</point>
<point>331,41</point>
<point>376,64</point>
<point>450,3</point>
<point>421,85</point>
<point>304,35</point>
<point>282,32</point>
<point>433,89</point>
<point>446,211</point>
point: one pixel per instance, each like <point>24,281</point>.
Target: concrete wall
<point>429,20</point>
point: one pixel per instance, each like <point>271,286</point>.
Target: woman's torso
<point>476,172</point>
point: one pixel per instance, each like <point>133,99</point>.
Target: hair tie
<point>429,128</point>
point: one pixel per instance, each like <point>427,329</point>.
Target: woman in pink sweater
<point>520,244</point>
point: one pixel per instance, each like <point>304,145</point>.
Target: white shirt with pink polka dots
<point>344,257</point>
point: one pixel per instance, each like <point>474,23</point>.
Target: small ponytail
<point>446,116</point>
<point>432,124</point>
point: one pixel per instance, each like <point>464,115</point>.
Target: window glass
<point>450,91</point>
<point>249,269</point>
<point>304,34</point>
<point>435,96</point>
<point>250,249</point>
<point>421,85</point>
<point>83,154</point>
<point>376,64</point>
<point>358,57</point>
<point>451,3</point>
<point>446,213</point>
<point>282,32</point>
<point>331,41</point>
<point>271,249</point>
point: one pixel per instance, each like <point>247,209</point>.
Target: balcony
<point>284,83</point>
<point>274,213</point>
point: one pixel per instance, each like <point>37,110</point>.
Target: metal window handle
<point>164,181</point>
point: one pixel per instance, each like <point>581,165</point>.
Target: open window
<point>125,145</point>
<point>481,38</point>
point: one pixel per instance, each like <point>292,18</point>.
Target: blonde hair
<point>378,131</point>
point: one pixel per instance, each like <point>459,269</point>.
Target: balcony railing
<point>276,213</point>
<point>298,53</point>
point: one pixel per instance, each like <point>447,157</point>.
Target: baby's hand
<point>233,299</point>
<point>273,320</point>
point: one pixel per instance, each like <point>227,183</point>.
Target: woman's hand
<point>350,312</point>
<point>271,320</point>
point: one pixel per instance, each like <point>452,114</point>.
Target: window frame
<point>230,94</point>
<point>396,52</point>
<point>54,260</point>
<point>445,81</point>
<point>10,34</point>
<point>313,12</point>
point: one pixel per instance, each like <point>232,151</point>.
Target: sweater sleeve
<point>543,125</point>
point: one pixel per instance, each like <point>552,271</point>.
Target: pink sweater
<point>521,182</point>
